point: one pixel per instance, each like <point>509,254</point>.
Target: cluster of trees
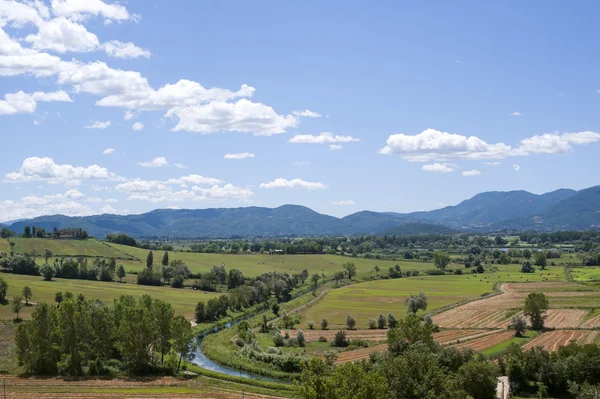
<point>81,337</point>
<point>253,292</point>
<point>73,268</point>
<point>413,367</point>
<point>38,232</point>
<point>173,273</point>
<point>122,239</point>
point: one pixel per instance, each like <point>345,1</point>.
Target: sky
<point>126,107</point>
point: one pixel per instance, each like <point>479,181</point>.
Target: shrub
<point>458,271</point>
<point>361,343</point>
<point>392,322</point>
<point>527,267</point>
<point>434,272</point>
<point>311,325</point>
<point>381,322</point>
<point>300,338</point>
<point>372,323</point>
<point>324,324</point>
<point>47,272</point>
<point>177,281</point>
<point>480,269</point>
<point>278,340</point>
<point>322,339</point>
<point>340,340</point>
<point>350,322</point>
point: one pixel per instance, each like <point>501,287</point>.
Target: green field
<point>89,247</point>
<point>366,300</point>
<point>583,274</point>
<point>518,340</point>
<point>183,300</point>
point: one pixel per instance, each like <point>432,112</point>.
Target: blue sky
<point>389,106</point>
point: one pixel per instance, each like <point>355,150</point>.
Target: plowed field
<point>487,341</point>
<point>554,339</point>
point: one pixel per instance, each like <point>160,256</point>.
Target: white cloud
<point>433,145</point>
<point>180,165</point>
<point>45,169</point>
<point>138,126</point>
<point>495,163</point>
<point>74,194</point>
<point>157,162</point>
<point>108,151</point>
<point>241,155</point>
<point>241,116</point>
<point>62,35</point>
<point>347,202</point>
<point>516,114</point>
<point>194,179</point>
<point>306,113</point>
<point>26,103</point>
<point>107,209</point>
<point>129,115</point>
<point>129,50</point>
<point>438,167</point>
<point>98,125</point>
<point>516,167</point>
<point>96,199</point>
<point>79,9</point>
<point>301,163</point>
<point>469,173</point>
<point>294,183</point>
<point>323,138</point>
<point>334,147</point>
<point>154,191</point>
<point>557,144</point>
<point>33,206</point>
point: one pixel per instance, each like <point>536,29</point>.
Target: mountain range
<point>562,209</point>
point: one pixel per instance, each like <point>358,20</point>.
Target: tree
<point>441,260</point>
<point>350,322</point>
<point>3,290</point>
<point>47,272</point>
<point>392,322</point>
<point>519,324</point>
<point>58,297</point>
<point>200,312</point>
<point>414,303</point>
<point>163,317</point>
<point>540,259</point>
<point>27,294</point>
<point>527,267</point>
<point>17,305</point>
<point>121,272</point>
<point>149,260</point>
<point>324,324</point>
<point>300,338</point>
<point>479,379</point>
<point>350,268</point>
<point>372,323</point>
<point>183,340</point>
<point>311,325</point>
<point>6,233</point>
<point>340,340</point>
<point>165,259</point>
<point>536,305</point>
<point>27,232</point>
<point>47,255</point>
<point>315,281</point>
<point>275,308</point>
<point>235,279</point>
<point>381,321</point>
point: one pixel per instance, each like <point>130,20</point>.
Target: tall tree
<point>17,306</point>
<point>163,315</point>
<point>183,340</point>
<point>121,272</point>
<point>350,268</point>
<point>27,294</point>
<point>536,305</point>
<point>47,255</point>
<point>441,260</point>
<point>3,290</point>
<point>165,259</point>
<point>149,260</point>
<point>27,232</point>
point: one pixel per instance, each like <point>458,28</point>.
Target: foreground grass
<point>183,300</point>
<point>519,340</point>
<point>366,300</point>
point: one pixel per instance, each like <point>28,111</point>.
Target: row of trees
<point>87,337</point>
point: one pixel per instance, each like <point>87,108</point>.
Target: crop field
<point>584,274</point>
<point>366,300</point>
<point>487,341</point>
<point>89,247</point>
<point>367,335</point>
<point>183,300</point>
<point>554,339</point>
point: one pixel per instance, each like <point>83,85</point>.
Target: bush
<point>527,267</point>
<point>148,277</point>
<point>311,325</point>
<point>177,281</point>
<point>300,338</point>
<point>278,340</point>
<point>324,324</point>
<point>434,272</point>
<point>392,322</point>
<point>322,339</point>
<point>381,321</point>
<point>47,272</point>
<point>350,322</point>
<point>480,269</point>
<point>372,323</point>
<point>340,340</point>
<point>458,271</point>
<point>361,343</point>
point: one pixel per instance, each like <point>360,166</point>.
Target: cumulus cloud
<point>129,115</point>
<point>294,183</point>
<point>241,116</point>
<point>62,35</point>
<point>241,155</point>
<point>80,9</point>
<point>108,151</point>
<point>301,163</point>
<point>323,138</point>
<point>516,167</point>
<point>438,167</point>
<point>34,206</point>
<point>157,162</point>
<point>194,179</point>
<point>469,173</point>
<point>118,49</point>
<point>433,145</point>
<point>155,191</point>
<point>98,125</point>
<point>346,202</point>
<point>516,114</point>
<point>45,169</point>
<point>495,163</point>
<point>334,147</point>
<point>180,166</point>
<point>107,209</point>
<point>306,113</point>
<point>26,103</point>
<point>138,126</point>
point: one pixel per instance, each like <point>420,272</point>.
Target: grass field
<point>519,340</point>
<point>183,300</point>
<point>368,299</point>
<point>89,247</point>
<point>584,274</point>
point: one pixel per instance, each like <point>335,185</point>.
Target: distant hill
<point>490,211</point>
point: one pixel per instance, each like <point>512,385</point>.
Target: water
<point>204,362</point>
